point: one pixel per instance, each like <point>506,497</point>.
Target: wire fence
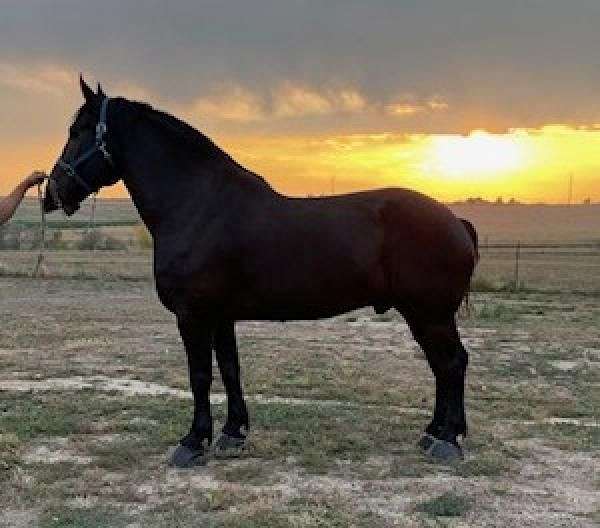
<point>504,266</point>
<point>544,266</point>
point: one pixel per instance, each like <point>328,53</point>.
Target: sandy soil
<point>93,391</point>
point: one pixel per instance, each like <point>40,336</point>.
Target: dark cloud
<point>497,64</point>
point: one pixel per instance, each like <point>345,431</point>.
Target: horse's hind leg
<point>233,438</point>
<point>448,359</point>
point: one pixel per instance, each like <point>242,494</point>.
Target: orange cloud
<point>133,92</point>
<point>48,79</point>
<point>296,100</point>
<point>292,100</point>
<point>403,109</point>
<point>352,100</point>
<point>407,105</point>
<point>437,103</point>
<point>232,103</point>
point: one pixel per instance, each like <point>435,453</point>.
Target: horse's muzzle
<point>51,200</point>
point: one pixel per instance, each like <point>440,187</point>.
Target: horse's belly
<point>293,311</point>
<point>281,297</point>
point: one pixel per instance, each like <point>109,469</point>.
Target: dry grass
<point>336,407</point>
<point>340,452</point>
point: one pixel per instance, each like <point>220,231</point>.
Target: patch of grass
<point>9,445</point>
<point>448,504</point>
<point>319,436</point>
<point>516,406</point>
<point>414,466</point>
<point>216,500</point>
<point>120,454</point>
<point>173,514</point>
<point>259,519</point>
<point>30,417</point>
<point>490,464</point>
<point>53,481</point>
<point>496,312</point>
<point>83,518</point>
<point>331,512</point>
<point>193,507</point>
<point>579,408</point>
<point>316,462</point>
<point>569,437</point>
<point>484,284</point>
<point>249,472</point>
<point>331,431</point>
<point>501,490</point>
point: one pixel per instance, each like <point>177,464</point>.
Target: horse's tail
<point>475,239</point>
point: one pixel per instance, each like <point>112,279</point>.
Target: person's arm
<point>9,205</point>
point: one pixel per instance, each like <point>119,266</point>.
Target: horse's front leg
<point>233,438</point>
<point>197,338</point>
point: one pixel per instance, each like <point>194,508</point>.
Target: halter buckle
<point>100,130</point>
<point>105,153</point>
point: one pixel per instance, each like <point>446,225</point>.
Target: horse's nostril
<point>49,205</point>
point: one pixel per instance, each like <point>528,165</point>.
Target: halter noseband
<point>98,146</point>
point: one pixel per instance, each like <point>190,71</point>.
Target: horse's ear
<point>100,93</point>
<point>86,91</point>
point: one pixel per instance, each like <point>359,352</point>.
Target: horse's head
<point>85,164</point>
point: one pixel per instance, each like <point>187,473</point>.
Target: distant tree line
<point>16,237</point>
<point>477,200</point>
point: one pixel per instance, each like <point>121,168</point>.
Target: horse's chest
<point>185,280</point>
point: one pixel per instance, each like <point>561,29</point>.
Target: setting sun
<point>479,153</point>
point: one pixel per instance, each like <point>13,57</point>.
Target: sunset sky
<point>455,98</point>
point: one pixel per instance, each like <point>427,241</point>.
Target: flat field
<point>94,393</point>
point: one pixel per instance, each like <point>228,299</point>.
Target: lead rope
<point>42,242</point>
<point>92,212</point>
<point>92,220</point>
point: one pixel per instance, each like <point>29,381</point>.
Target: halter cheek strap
<point>98,146</point>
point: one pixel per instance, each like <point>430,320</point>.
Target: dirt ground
<point>94,393</point>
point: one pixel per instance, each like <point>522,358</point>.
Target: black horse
<point>227,247</point>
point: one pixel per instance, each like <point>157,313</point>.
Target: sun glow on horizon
<point>530,165</point>
<point>479,155</point>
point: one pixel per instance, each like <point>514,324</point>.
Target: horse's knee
<point>460,361</point>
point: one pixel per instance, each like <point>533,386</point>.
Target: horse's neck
<point>166,183</point>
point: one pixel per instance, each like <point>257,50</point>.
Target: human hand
<point>35,178</point>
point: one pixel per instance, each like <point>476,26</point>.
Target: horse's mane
<point>187,134</point>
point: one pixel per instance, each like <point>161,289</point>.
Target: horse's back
<point>382,247</point>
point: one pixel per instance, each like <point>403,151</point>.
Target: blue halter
<point>98,146</point>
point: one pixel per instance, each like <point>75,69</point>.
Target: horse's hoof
<point>184,457</point>
<point>445,451</point>
<point>426,441</point>
<point>229,446</point>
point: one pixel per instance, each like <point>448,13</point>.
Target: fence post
<point>517,257</point>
